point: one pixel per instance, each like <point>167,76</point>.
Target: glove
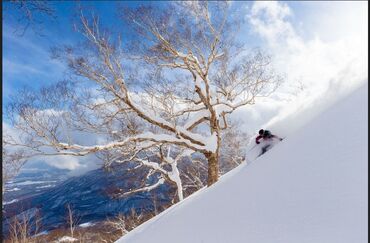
<point>257,142</point>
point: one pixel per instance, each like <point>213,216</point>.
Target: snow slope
<point>312,187</point>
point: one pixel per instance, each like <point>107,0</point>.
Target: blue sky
<point>26,59</point>
<point>320,46</point>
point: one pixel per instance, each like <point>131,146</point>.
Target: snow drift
<point>311,187</point>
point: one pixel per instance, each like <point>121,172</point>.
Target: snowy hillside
<point>312,187</point>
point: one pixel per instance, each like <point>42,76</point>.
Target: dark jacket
<point>266,136</point>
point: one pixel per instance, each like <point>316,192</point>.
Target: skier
<point>267,137</point>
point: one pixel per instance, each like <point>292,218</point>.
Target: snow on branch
<point>144,137</point>
<point>143,189</point>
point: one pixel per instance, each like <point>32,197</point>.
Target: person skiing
<point>267,137</point>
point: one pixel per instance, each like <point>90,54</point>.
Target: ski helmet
<point>260,132</point>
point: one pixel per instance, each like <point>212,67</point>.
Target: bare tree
<point>119,223</point>
<point>72,219</point>
<point>24,227</point>
<point>12,163</point>
<point>25,13</point>
<point>19,229</point>
<point>174,85</point>
<point>233,147</point>
<point>172,174</point>
<point>193,175</point>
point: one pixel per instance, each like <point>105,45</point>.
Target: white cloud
<point>16,68</point>
<point>77,165</point>
<point>338,20</point>
<point>63,162</point>
<point>327,68</point>
<point>268,19</point>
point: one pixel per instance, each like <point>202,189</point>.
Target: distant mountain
<point>33,181</point>
<point>92,197</point>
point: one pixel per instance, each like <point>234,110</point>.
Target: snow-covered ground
<point>312,187</point>
<point>10,202</point>
<point>66,239</point>
<point>26,183</point>
<point>85,225</point>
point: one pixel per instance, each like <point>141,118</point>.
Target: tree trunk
<point>212,168</point>
<point>179,191</point>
